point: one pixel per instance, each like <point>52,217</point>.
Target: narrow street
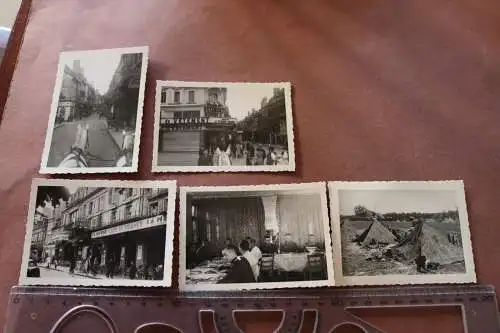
<point>103,151</point>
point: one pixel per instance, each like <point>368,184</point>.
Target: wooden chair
<point>315,266</point>
<point>266,264</point>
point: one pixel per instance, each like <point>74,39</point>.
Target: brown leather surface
<point>382,90</point>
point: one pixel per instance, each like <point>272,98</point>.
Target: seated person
<point>268,246</point>
<point>240,271</point>
<point>289,245</point>
<point>252,258</point>
<point>204,252</point>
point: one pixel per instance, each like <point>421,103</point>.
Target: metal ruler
<point>50,309</point>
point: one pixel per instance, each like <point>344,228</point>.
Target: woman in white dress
<point>222,153</point>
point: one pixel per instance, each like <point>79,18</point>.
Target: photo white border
<point>64,56</point>
<point>74,281</point>
<point>243,168</point>
<point>312,188</point>
<point>398,279</point>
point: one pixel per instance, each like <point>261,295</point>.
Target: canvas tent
<point>430,242</point>
<point>376,233</point>
<point>348,231</point>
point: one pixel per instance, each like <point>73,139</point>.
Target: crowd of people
<point>225,149</point>
<point>91,265</point>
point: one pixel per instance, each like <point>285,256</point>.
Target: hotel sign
<point>132,226</point>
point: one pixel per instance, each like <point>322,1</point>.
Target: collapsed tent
<point>376,233</point>
<point>427,241</point>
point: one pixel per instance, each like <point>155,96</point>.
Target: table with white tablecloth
<point>290,262</point>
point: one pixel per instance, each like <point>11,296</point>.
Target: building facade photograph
<point>228,125</point>
<point>103,232</point>
<point>191,119</point>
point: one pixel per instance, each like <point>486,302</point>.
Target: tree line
<point>362,211</point>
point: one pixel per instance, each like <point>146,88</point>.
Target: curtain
<point>301,215</point>
<point>223,218</point>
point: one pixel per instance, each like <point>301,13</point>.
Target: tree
<point>361,210</point>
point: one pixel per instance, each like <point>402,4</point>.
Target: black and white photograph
<point>254,237</point>
<point>401,233</point>
<point>96,113</point>
<point>223,126</point>
<point>99,233</point>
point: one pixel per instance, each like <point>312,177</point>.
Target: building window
<point>209,232</point>
<point>164,96</point>
<point>177,97</point>
<point>191,96</point>
<point>113,215</point>
<point>195,230</point>
<point>217,229</point>
<point>193,210</point>
<point>91,204</point>
<point>72,217</point>
<point>128,211</point>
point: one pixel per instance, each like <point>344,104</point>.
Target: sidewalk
<point>65,269</point>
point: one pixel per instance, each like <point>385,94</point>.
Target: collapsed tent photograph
<point>401,232</point>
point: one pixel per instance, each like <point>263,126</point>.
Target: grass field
<point>359,261</point>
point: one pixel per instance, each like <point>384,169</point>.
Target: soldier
<point>240,271</point>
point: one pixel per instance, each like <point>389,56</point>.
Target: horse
<point>75,157</point>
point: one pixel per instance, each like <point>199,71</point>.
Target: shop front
<point>134,249</point>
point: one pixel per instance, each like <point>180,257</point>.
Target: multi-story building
<point>57,234</point>
<point>191,119</point>
<point>268,124</point>
<point>122,97</point>
<point>78,97</point>
<point>123,224</point>
<point>38,235</point>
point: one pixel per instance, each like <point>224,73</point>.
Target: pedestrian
<point>421,261</point>
<point>110,267</point>
<point>271,157</point>
<point>204,158</point>
<point>260,157</point>
<point>72,261</point>
<point>132,271</point>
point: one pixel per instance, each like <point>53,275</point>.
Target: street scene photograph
<point>403,232</point>
<point>93,234</point>
<point>204,126</point>
<point>96,112</point>
<point>270,236</point>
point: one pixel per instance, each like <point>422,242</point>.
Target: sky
<point>399,201</point>
<point>241,99</point>
<point>97,69</point>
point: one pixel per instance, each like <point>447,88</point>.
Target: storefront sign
<point>132,226</point>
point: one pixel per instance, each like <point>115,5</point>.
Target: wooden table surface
<point>382,90</point>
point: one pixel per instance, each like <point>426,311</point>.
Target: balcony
<point>157,192</point>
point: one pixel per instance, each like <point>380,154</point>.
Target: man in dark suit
<point>240,271</point>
